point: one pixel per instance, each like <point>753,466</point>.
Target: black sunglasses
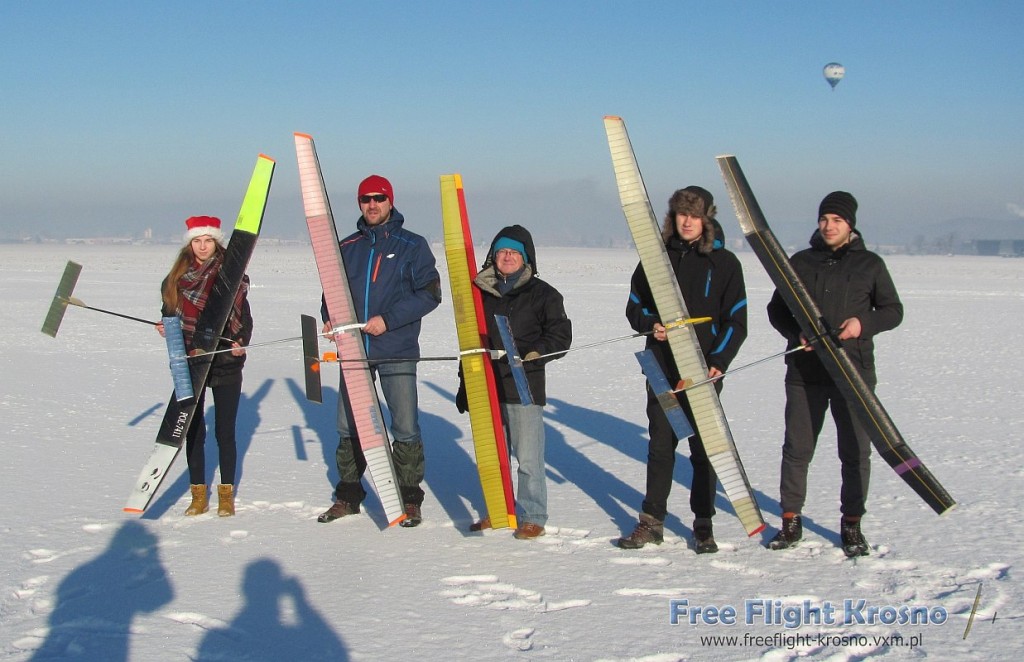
<point>377,197</point>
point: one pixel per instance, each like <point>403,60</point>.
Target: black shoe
<point>703,536</point>
<point>791,533</point>
<point>648,530</point>
<point>854,543</point>
<point>413,516</point>
<point>338,510</point>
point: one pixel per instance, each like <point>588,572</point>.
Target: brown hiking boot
<point>648,530</point>
<point>225,500</point>
<point>528,531</point>
<point>413,516</point>
<point>485,523</point>
<point>338,510</point>
<point>200,501</point>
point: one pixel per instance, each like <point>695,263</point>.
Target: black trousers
<point>806,404</point>
<point>225,410</point>
<point>661,461</point>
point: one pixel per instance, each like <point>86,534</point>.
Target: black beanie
<point>841,204</point>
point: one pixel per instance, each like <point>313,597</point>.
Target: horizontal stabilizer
<point>666,398</point>
<point>514,360</point>
<point>180,372</point>
<point>311,359</point>
<point>55,315</point>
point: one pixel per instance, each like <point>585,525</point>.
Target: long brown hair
<point>184,260</point>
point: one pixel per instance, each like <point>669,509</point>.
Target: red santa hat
<point>197,226</point>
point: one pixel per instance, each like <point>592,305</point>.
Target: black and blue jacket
<point>392,273</point>
<point>712,286</point>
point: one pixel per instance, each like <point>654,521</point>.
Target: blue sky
<point>117,116</point>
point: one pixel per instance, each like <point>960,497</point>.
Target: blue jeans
<point>398,382</point>
<point>524,425</point>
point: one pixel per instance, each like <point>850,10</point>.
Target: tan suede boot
<point>226,500</point>
<point>200,501</point>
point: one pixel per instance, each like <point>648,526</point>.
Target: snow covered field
<point>81,580</point>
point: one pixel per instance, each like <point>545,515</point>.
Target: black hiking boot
<point>854,543</point>
<point>648,530</point>
<point>791,533</point>
<point>703,536</point>
<point>337,511</point>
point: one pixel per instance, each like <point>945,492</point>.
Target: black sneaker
<point>791,533</point>
<point>337,511</point>
<point>648,530</point>
<point>413,516</point>
<point>703,536</point>
<point>854,543</point>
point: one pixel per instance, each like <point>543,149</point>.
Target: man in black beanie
<point>854,291</point>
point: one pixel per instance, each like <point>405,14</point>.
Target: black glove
<point>461,401</point>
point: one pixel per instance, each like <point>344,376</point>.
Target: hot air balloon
<point>833,73</point>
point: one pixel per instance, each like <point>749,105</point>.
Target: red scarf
<point>194,289</point>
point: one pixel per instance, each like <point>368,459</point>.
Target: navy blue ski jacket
<point>392,273</point>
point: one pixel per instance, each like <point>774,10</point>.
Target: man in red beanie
<point>394,283</point>
<point>853,288</point>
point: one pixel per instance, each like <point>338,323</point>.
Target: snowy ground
<point>81,580</point>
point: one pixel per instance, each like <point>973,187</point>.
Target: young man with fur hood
<point>510,286</point>
<point>711,281</point>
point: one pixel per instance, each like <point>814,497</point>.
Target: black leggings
<point>225,409</point>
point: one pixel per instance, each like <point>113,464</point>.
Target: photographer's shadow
<point>275,623</point>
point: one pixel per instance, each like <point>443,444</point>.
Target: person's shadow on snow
<point>451,470</point>
<point>275,623</point>
<point>97,602</point>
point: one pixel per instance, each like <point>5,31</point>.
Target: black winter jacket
<point>536,313</point>
<point>712,286</point>
<point>849,282</point>
<point>226,367</point>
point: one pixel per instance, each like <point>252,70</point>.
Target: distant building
<point>98,241</point>
<point>1003,247</point>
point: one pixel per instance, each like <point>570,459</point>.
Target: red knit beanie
<point>376,184</point>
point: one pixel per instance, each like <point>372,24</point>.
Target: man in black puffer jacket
<point>854,291</point>
<point>536,313</point>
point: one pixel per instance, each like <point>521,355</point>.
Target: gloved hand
<point>461,401</point>
<point>530,356</point>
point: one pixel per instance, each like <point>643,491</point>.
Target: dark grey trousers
<point>806,405</point>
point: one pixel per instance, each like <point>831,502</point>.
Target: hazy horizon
<point>122,116</point>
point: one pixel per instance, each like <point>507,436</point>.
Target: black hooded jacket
<point>848,282</point>
<point>712,285</point>
<point>536,313</point>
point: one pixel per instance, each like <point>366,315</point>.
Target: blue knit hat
<point>509,242</point>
